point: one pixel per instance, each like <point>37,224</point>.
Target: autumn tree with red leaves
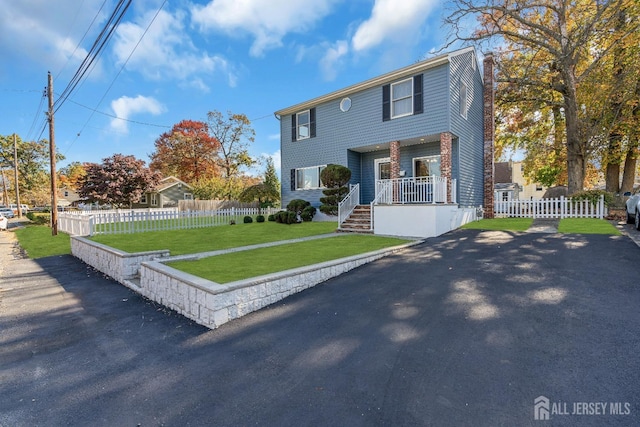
<point>187,152</point>
<point>120,181</point>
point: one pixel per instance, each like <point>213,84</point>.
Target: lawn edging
<point>206,302</point>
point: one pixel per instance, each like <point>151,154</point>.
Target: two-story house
<point>414,140</point>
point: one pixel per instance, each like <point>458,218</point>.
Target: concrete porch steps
<point>359,221</point>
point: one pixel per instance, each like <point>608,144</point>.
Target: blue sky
<point>245,56</point>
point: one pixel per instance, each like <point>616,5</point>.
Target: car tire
<point>637,220</point>
<point>631,219</point>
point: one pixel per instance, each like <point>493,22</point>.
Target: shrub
<point>260,218</point>
<point>297,205</point>
<point>308,213</point>
<point>247,219</point>
<point>594,196</point>
<point>292,217</point>
<point>335,178</point>
<point>271,217</point>
<point>38,219</point>
<point>232,222</point>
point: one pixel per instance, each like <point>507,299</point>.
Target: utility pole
<point>5,198</point>
<point>15,173</point>
<point>52,160</point>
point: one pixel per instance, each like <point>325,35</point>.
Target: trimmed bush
<point>308,213</point>
<point>335,178</point>
<point>260,218</point>
<point>297,205</point>
<point>594,196</point>
<point>271,217</point>
<point>247,219</point>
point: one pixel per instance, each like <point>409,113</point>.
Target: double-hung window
<point>308,178</point>
<point>303,125</point>
<point>402,98</point>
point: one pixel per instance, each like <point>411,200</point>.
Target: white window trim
<point>394,116</point>
<point>298,137</point>
<point>143,199</point>
<point>154,199</point>
<point>319,180</point>
<point>187,196</point>
<point>413,162</point>
<point>377,162</point>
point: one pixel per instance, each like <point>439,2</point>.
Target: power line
<point>94,52</point>
<point>83,36</point>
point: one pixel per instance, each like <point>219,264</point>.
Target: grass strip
<point>242,265</point>
<point>180,242</point>
<point>38,242</point>
<point>500,224</point>
<point>587,226</point>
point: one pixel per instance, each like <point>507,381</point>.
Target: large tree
<point>187,151</point>
<point>33,166</point>
<point>119,180</point>
<point>557,45</point>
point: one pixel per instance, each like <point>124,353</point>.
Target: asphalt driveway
<point>465,329</point>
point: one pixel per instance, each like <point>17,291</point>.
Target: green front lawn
<point>242,265</point>
<point>38,242</point>
<point>180,242</point>
<point>587,226</point>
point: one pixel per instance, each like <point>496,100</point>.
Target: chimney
<point>489,134</point>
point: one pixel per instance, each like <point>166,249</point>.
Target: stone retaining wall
<point>121,266</point>
<point>208,303</point>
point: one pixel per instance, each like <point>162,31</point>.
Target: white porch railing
<point>346,206</point>
<point>426,189</point>
<point>551,208</point>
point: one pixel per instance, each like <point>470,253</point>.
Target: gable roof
<point>169,182</point>
<point>376,81</point>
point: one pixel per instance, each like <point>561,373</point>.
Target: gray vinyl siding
<point>362,125</point>
<point>469,131</point>
<point>350,138</point>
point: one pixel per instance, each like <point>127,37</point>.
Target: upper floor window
<point>402,98</point>
<point>188,196</point>
<point>303,125</point>
<point>464,106</point>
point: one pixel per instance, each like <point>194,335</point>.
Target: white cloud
<point>267,21</point>
<point>47,35</point>
<point>331,60</point>
<point>391,20</point>
<point>124,107</point>
<point>166,51</point>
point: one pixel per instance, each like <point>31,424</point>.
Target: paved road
<point>466,329</point>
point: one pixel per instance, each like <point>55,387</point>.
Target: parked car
<point>23,208</point>
<point>7,212</point>
<point>3,222</point>
<point>633,208</point>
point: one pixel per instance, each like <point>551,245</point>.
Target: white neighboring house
<point>511,184</point>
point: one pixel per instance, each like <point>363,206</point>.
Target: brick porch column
<point>394,154</point>
<point>445,160</point>
<point>489,135</point>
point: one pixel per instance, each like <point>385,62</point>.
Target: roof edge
<point>376,81</point>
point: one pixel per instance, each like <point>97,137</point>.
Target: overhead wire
<point>94,52</point>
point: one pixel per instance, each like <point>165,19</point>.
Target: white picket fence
<point>550,208</point>
<point>90,223</point>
